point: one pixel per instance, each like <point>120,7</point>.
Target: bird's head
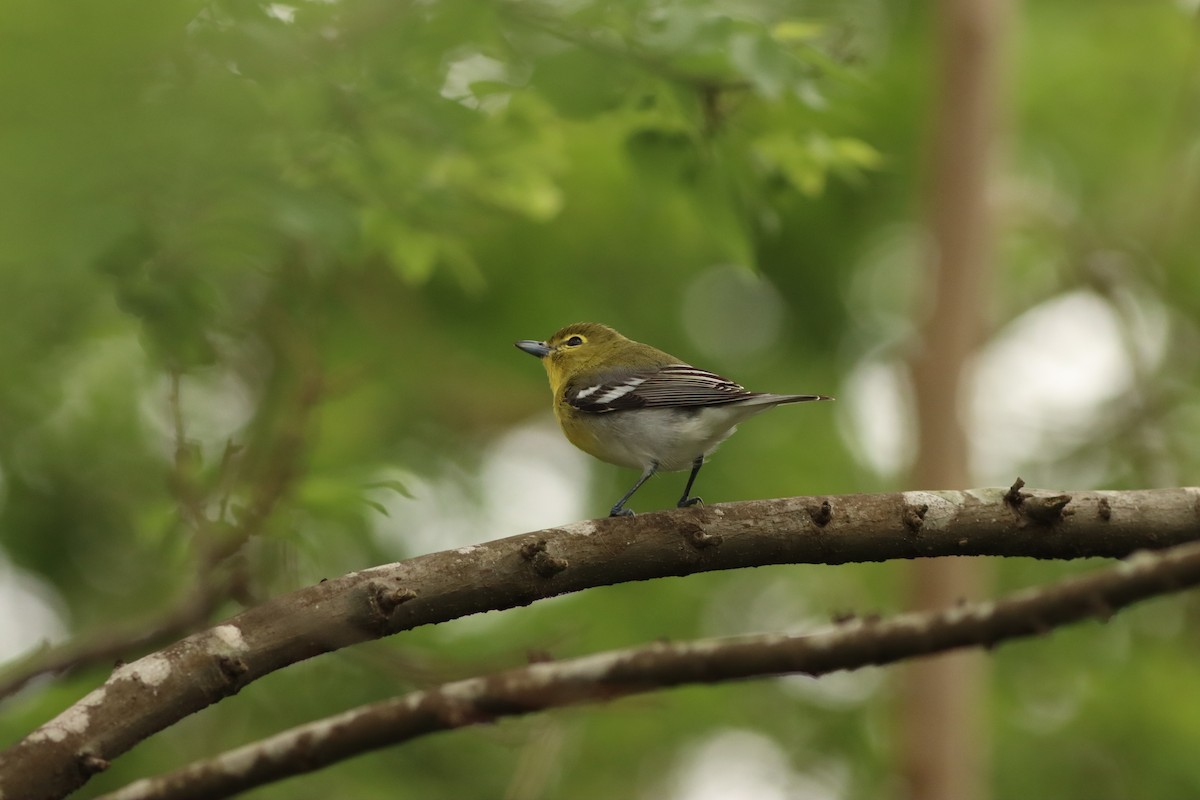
<point>571,348</point>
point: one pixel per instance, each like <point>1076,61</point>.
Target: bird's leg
<point>686,501</point>
<point>619,509</point>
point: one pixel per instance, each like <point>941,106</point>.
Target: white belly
<point>671,437</point>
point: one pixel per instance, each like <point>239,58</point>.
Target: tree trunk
<point>942,734</point>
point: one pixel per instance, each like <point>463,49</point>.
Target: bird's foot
<point>689,501</point>
<point>617,511</point>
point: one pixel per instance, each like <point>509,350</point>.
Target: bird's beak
<point>534,348</point>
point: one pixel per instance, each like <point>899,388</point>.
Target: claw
<point>620,512</point>
<point>689,501</point>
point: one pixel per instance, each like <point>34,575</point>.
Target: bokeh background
<point>262,265</point>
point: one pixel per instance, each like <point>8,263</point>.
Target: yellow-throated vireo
<point>633,405</point>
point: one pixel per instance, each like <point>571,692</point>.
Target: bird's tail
<point>781,399</point>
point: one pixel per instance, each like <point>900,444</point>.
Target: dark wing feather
<point>672,386</point>
<point>681,385</point>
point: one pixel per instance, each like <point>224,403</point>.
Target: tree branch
<point>605,676</point>
<point>154,692</point>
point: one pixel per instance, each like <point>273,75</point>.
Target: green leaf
<point>858,153</point>
<point>664,154</point>
<point>796,30</point>
<point>411,252</point>
<point>763,62</point>
<point>795,160</point>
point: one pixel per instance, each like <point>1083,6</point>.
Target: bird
<point>631,404</point>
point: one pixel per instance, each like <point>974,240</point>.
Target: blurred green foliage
<point>327,221</point>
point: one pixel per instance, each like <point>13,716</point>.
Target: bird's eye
<point>575,341</point>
